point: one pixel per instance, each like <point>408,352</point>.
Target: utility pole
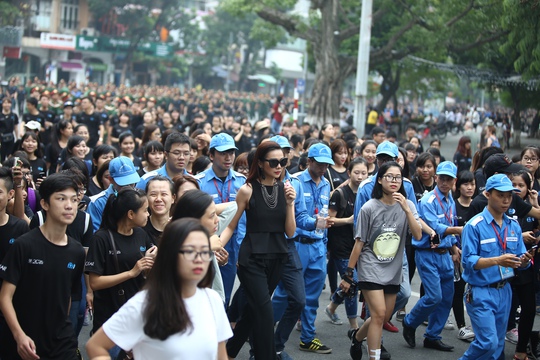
<point>229,49</point>
<point>362,68</point>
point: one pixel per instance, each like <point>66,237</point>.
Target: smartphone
<point>41,175</point>
<point>533,248</point>
<point>537,233</point>
<point>436,239</point>
<point>15,161</point>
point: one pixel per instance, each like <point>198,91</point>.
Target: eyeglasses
<point>528,159</point>
<point>242,169</point>
<point>275,162</point>
<point>191,255</point>
<point>178,153</point>
<point>392,178</point>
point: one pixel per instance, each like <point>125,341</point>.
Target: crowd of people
<point>144,214</point>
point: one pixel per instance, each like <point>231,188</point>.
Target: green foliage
<point>8,13</point>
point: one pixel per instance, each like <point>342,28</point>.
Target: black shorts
<point>388,289</point>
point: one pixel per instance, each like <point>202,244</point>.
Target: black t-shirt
<point>480,180</point>
<point>341,238</point>
<point>7,125</point>
<point>45,275</point>
<point>117,130</point>
<point>336,178</point>
<point>136,120</point>
<point>81,229</point>
<point>37,166</point>
<point>420,189</point>
<point>52,153</point>
<point>152,232</point>
<point>93,121</point>
<point>462,213</point>
<point>517,210</point>
<point>14,228</point>
<point>100,261</point>
<point>39,117</point>
<point>93,189</point>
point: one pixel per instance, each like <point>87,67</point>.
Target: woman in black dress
<point>269,207</point>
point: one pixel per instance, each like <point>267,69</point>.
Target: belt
<point>498,285</point>
<point>437,250</point>
<point>305,240</point>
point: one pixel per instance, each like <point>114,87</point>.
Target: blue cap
<point>123,171</point>
<point>447,168</point>
<point>282,141</point>
<point>500,182</point>
<point>321,153</point>
<point>222,142</point>
<point>387,148</point>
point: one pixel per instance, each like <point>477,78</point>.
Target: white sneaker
<point>512,336</point>
<point>449,325</point>
<point>465,333</point>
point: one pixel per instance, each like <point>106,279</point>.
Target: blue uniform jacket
<point>97,205</point>
<point>149,175</point>
<point>315,197</point>
<point>480,241</point>
<point>303,220</point>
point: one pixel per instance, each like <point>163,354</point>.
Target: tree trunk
<point>389,87</point>
<point>516,119</point>
<point>328,85</point>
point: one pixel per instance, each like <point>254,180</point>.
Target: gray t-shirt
<point>383,229</point>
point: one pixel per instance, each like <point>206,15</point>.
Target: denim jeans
<point>78,310</point>
<point>351,303</point>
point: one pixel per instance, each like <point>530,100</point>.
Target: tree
<point>9,11</point>
<point>400,28</point>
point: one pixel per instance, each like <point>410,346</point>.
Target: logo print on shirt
<point>71,265</point>
<point>35,261</point>
<point>142,248</point>
<point>11,241</point>
<point>511,211</point>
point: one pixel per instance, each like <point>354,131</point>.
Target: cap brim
<point>324,160</point>
<point>447,173</point>
<point>504,188</point>
<point>224,148</point>
<point>127,179</point>
<point>513,168</point>
<point>385,153</point>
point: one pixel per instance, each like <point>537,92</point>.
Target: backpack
<point>342,202</point>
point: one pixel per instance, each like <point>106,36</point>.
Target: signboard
<point>118,45</point>
<point>87,43</point>
<point>57,41</point>
<point>11,52</point>
<point>301,86</point>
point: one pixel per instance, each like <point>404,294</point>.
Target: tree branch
<point>481,40</point>
<point>393,40</point>
<point>348,32</point>
<point>288,23</point>
<point>461,15</point>
<point>343,14</point>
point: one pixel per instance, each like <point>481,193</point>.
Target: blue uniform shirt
<point>480,241</point>
<point>315,197</point>
<point>366,188</point>
<point>438,216</point>
<point>303,220</point>
<point>149,175</point>
<point>97,205</point>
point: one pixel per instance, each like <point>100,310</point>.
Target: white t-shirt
<point>210,327</point>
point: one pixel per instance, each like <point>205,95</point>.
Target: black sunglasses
<point>275,162</point>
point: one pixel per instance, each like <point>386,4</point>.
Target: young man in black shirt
<point>93,121</point>
<point>39,274</point>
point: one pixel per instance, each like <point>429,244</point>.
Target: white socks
<point>375,354</point>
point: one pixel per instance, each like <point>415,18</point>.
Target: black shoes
<point>437,345</point>
<point>385,355</point>
<point>409,334</point>
<point>356,346</point>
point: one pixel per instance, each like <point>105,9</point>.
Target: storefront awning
<point>269,79</point>
<point>70,66</point>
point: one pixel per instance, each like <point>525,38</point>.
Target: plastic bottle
<point>321,220</point>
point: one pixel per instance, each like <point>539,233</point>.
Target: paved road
<point>335,336</point>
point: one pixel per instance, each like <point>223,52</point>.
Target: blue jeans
<point>351,305</point>
<point>275,126</point>
<point>78,310</point>
<point>293,283</point>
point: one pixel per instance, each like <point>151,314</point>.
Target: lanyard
<point>503,243</point>
<point>316,195</point>
<point>219,191</point>
<point>448,217</point>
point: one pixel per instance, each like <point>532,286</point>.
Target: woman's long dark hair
<point>56,134</point>
<point>193,204</point>
<point>72,142</point>
<point>461,147</point>
<point>118,206</point>
<point>255,172</point>
<point>165,313</point>
<point>377,189</point>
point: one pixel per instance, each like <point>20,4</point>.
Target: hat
<point>500,182</point>
<point>123,171</point>
<point>261,125</point>
<point>222,142</point>
<point>447,168</point>
<point>68,103</point>
<point>33,125</point>
<point>489,122</point>
<point>321,153</point>
<point>281,140</point>
<point>500,163</point>
<point>387,148</point>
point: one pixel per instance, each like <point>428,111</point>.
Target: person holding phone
<point>493,252</point>
<point>435,256</point>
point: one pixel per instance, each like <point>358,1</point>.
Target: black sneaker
<point>356,346</point>
<point>385,355</point>
<point>315,346</point>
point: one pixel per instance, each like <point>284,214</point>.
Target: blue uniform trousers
<point>292,282</point>
<point>313,260</point>
<point>488,312</point>
<point>437,273</point>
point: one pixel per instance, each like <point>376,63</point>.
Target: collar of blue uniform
<point>489,218</point>
<point>210,174</point>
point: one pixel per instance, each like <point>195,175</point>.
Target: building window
<point>42,18</point>
<point>70,15</point>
